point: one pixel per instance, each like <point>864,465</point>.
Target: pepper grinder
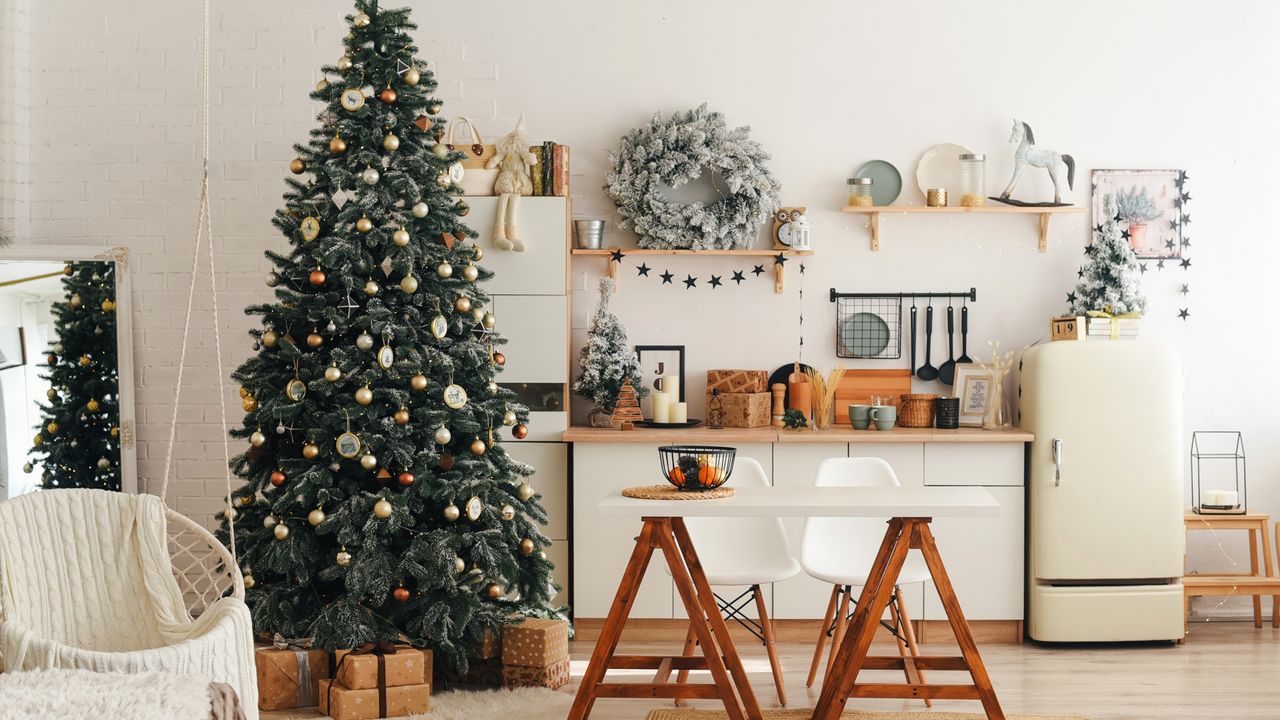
<point>779,403</point>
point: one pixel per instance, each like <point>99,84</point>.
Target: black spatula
<point>927,371</point>
<point>947,373</point>
<point>964,335</point>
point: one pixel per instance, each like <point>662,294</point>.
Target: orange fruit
<point>676,476</point>
<point>708,475</point>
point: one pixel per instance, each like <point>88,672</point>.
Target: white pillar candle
<point>671,386</point>
<point>1210,497</point>
<point>1229,498</point>
<point>661,407</point>
<point>679,412</point>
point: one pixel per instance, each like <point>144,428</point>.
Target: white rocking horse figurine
<point>1028,154</point>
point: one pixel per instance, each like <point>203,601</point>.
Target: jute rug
<point>807,713</point>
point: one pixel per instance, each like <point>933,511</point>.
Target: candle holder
<point>1218,473</point>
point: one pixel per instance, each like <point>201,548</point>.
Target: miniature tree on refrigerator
<point>377,499</point>
<point>1110,278</point>
<point>78,441</point>
<point>607,360</point>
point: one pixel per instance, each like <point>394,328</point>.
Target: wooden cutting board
<point>858,387</point>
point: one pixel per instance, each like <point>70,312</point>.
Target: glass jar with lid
<point>973,180</point>
<point>860,192</point>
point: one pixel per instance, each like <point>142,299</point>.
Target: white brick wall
<point>113,139</point>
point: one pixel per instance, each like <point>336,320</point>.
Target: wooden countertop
<point>704,435</point>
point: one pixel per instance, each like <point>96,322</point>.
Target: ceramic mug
<point>859,416</point>
<point>884,416</point>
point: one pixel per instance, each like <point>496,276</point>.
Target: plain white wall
<point>824,86</point>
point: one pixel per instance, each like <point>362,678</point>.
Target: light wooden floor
<point>1224,670</point>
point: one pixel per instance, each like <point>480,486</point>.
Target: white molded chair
<point>744,551</point>
<point>107,581</point>
<point>841,550</point>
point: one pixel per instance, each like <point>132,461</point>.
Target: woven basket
<point>916,410</point>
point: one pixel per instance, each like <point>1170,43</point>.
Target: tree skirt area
<point>805,714</point>
<point>523,703</point>
<point>87,695</point>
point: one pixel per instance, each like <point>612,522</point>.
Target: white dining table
<point>907,512</point>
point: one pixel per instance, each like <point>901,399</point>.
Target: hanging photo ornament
<point>386,357</point>
<point>474,508</point>
<point>347,445</point>
<point>352,99</point>
<point>439,327</point>
<point>455,396</point>
<point>310,228</point>
<point>456,172</point>
<point>295,390</point>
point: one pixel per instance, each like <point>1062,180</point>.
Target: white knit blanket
<point>85,695</point>
<point>86,582</point>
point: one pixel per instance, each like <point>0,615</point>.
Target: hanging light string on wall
<point>204,228</point>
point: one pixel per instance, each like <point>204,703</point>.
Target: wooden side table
<point>1257,582</point>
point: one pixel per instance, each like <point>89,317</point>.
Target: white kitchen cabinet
<point>550,479</point>
<point>906,459</point>
<point>602,546</point>
<point>537,334</point>
<point>542,269</point>
<point>984,464</point>
<point>984,559</point>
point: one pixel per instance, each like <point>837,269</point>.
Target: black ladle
<point>964,335</point>
<point>927,371</point>
<point>914,313</point>
<point>947,373</point>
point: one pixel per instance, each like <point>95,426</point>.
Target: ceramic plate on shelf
<point>864,335</point>
<point>887,179</point>
<point>939,167</point>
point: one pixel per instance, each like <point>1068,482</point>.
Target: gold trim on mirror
<point>118,254</point>
<point>126,434</point>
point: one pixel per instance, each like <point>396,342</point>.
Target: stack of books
<point>1126,328</point>
<point>550,172</point>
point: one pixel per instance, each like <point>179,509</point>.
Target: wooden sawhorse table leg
<point>669,536</point>
<point>840,684</point>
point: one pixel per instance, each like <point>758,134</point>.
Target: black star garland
<point>1125,233</point>
<point>1142,268</point>
<point>690,282</point>
<point>1185,289</point>
<point>1186,263</point>
<point>1080,272</point>
<point>666,277</point>
<point>1184,313</point>
<point>616,256</point>
<point>715,281</point>
<point>802,268</point>
<point>1071,298</point>
<point>738,277</point>
<point>1090,250</point>
<point>1160,264</point>
<point>758,269</point>
<point>780,259</point>
<point>643,270</point>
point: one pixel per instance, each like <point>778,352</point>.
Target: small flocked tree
<point>378,501</point>
<point>607,359</point>
<point>1110,281</point>
<point>78,443</point>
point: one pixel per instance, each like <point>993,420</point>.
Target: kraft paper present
<point>535,642</point>
<point>490,646</point>
<point>745,410</point>
<point>288,678</point>
<point>553,676</point>
<point>737,381</point>
<point>341,703</point>
<point>480,675</point>
<point>363,670</point>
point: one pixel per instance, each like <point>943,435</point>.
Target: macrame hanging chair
<point>111,582</point>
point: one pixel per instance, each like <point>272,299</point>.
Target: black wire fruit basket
<point>696,467</point>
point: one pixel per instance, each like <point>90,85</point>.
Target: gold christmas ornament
<point>470,273</point>
<point>51,393</point>
<point>66,270</point>
<point>314,340</point>
<point>443,436</point>
<point>440,150</point>
<point>492,387</point>
<point>418,382</point>
<point>402,417</point>
<point>269,522</point>
<point>281,531</point>
<point>494,591</point>
<point>526,546</point>
<point>337,145</point>
<point>249,582</point>
<point>310,227</point>
<point>420,210</point>
<point>477,314</point>
<point>343,557</point>
<point>270,338</point>
<point>84,361</point>
<point>409,285</point>
<point>478,447</point>
<point>310,451</point>
<point>249,404</point>
<point>344,63</point>
<point>382,509</point>
<point>368,462</point>
<point>391,143</point>
<point>459,565</point>
<point>272,279</point>
<point>315,517</point>
<point>332,373</point>
<point>400,237</point>
<point>462,208</point>
<point>434,107</point>
<point>451,512</point>
<point>103,463</point>
<point>322,85</point>
<point>412,76</point>
<point>52,428</point>
<point>297,166</point>
<point>75,302</point>
<point>479,252</point>
<point>92,405</point>
<point>462,304</point>
<point>364,341</point>
<point>371,288</point>
<point>38,440</point>
<point>257,439</point>
<point>525,491</point>
<point>509,418</point>
<point>246,500</point>
<point>361,20</point>
<point>108,305</point>
<point>444,270</point>
<point>364,395</point>
<point>508,512</point>
<point>488,321</point>
<point>364,225</point>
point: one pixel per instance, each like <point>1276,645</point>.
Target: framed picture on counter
<point>659,361</point>
<point>973,387</point>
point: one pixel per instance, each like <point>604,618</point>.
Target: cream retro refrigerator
<point>1105,498</point>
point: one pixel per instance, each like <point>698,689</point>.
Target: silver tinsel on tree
<point>1110,281</point>
<point>607,359</point>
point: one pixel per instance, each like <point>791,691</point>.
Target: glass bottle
<point>973,180</point>
<point>860,191</point>
<point>715,411</point>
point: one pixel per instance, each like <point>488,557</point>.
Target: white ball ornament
<point>370,176</point>
<point>470,273</point>
<point>477,314</point>
<point>343,557</point>
<point>443,436</point>
<point>444,270</point>
<point>361,20</point>
<point>382,509</point>
<point>332,373</point>
<point>315,517</point>
<point>400,237</point>
<point>368,462</point>
<point>103,463</point>
<point>57,348</point>
<point>492,387</point>
<point>391,143</point>
<point>508,512</point>
<point>459,565</point>
<point>364,396</point>
<point>257,439</point>
<point>420,210</point>
<point>371,288</point>
<point>364,341</point>
<point>269,522</point>
<point>281,531</point>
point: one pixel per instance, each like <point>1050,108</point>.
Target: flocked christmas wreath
<point>676,150</point>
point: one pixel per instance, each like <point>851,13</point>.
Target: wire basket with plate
<point>869,327</point>
<point>696,468</point>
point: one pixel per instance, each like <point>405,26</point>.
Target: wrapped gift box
<point>288,678</point>
<point>745,410</point>
<point>362,671</point>
<point>535,642</point>
<point>737,381</point>
<point>342,703</point>
<point>489,647</point>
<point>553,676</point>
<point>480,675</point>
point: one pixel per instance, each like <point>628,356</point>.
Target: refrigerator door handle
<point>1057,461</point>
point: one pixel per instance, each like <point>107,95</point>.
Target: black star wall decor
<point>642,270</point>
<point>738,277</point>
<point>666,277</point>
<point>715,281</point>
<point>690,282</point>
<point>1184,313</point>
<point>757,270</point>
<point>616,256</point>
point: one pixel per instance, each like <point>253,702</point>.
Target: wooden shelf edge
<point>648,251</point>
<point>983,210</point>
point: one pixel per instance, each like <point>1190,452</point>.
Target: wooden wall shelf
<point>779,269</point>
<point>1044,212</point>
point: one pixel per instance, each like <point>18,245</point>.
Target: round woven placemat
<point>669,492</point>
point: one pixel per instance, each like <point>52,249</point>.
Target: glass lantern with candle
<point>1218,473</point>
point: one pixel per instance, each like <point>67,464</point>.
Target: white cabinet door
<point>543,224</point>
<point>537,332</point>
<point>906,459</point>
<point>796,466</point>
<point>984,464</point>
<point>984,559</point>
<point>551,481</point>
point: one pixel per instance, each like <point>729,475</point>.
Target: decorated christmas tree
<point>78,441</point>
<point>1109,281</point>
<point>378,501</point>
<point>607,359</point>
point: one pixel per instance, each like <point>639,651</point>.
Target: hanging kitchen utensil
<point>964,334</point>
<point>947,372</point>
<point>914,313</point>
<point>927,371</point>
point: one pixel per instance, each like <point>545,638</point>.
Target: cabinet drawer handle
<point>1057,461</point>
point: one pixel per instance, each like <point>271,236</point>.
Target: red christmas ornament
<point>520,431</point>
<point>405,479</point>
<point>52,358</point>
<point>446,462</point>
<point>388,96</point>
<point>317,277</point>
<point>499,359</point>
<point>277,478</point>
<point>400,594</point>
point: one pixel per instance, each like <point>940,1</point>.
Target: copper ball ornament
<point>297,166</point>
<point>337,145</point>
<point>405,479</point>
<point>400,594</point>
<point>402,417</point>
<point>315,517</point>
<point>520,431</point>
<point>315,340</point>
<point>382,509</point>
<point>446,462</point>
<point>499,359</point>
<point>418,382</point>
<point>388,96</point>
<point>317,278</point>
<point>51,358</point>
<point>400,237</point>
<point>364,225</point>
<point>311,451</point>
<point>281,531</point>
<point>526,546</point>
<point>478,447</point>
<point>277,478</point>
<point>493,591</point>
<point>462,304</point>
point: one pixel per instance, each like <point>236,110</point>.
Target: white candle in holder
<point>661,406</point>
<point>1229,498</point>
<point>679,412</point>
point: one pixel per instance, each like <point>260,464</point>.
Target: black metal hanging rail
<point>971,295</point>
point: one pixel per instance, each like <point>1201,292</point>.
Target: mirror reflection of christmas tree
<point>78,442</point>
<point>1109,280</point>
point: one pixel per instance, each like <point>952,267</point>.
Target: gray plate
<point>865,335</point>
<point>887,179</point>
